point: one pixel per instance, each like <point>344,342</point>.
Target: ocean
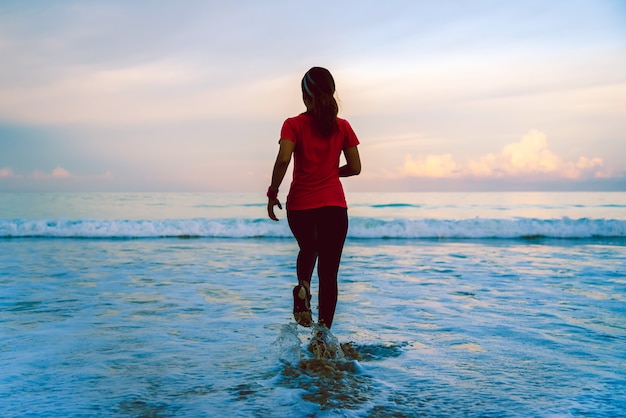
<point>179,305</point>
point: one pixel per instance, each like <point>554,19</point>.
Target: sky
<point>191,95</point>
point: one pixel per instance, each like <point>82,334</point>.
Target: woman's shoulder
<point>343,124</point>
<point>297,120</point>
<point>300,117</point>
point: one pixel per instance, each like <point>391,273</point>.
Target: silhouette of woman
<point>316,204</point>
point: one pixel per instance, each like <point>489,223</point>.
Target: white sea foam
<point>360,227</point>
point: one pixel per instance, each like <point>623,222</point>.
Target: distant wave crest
<point>363,228</point>
<point>488,228</point>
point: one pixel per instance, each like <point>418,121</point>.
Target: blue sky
<point>191,95</point>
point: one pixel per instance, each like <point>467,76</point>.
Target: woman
<point>316,204</point>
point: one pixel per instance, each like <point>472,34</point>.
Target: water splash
<point>288,344</point>
<point>314,364</point>
<point>324,345</point>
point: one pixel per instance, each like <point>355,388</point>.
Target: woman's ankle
<point>307,285</point>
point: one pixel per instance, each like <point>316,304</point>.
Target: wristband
<point>272,194</point>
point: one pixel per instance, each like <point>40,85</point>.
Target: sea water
<point>179,305</point>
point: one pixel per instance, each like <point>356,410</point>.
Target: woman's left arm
<point>353,163</point>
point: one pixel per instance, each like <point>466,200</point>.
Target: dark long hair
<point>318,86</point>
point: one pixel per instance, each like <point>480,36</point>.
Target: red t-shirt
<point>315,181</point>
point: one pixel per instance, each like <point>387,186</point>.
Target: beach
<point>137,305</point>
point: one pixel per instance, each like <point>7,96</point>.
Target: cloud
<point>433,166</point>
<point>57,173</point>
<point>529,158</point>
<point>6,173</point>
<point>158,92</point>
<point>60,180</point>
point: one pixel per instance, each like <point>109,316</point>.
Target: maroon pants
<point>321,234</point>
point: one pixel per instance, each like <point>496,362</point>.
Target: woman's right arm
<point>353,163</point>
<point>278,173</point>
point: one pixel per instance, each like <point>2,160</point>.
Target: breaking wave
<point>361,228</point>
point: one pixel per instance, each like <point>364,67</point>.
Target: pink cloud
<point>530,157</point>
<point>57,173</point>
<point>432,166</point>
<point>6,173</point>
<point>60,173</point>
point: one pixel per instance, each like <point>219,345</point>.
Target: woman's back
<point>316,162</point>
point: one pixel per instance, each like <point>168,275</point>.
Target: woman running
<point>316,205</point>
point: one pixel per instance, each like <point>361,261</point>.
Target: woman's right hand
<point>270,208</point>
